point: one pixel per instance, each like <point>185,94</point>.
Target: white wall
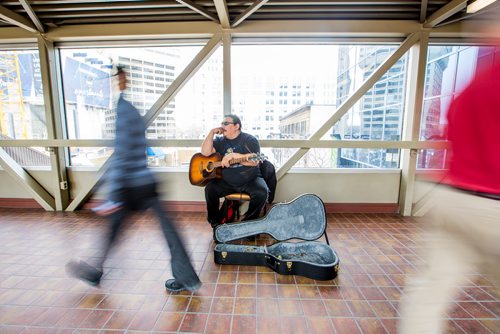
<point>333,186</point>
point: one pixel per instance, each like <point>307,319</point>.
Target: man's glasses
<point>226,123</point>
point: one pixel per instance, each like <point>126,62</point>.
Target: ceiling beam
<point>423,11</point>
<point>199,9</point>
<point>465,15</point>
<point>31,13</point>
<point>445,12</point>
<point>223,13</point>
<point>249,11</point>
<point>13,18</point>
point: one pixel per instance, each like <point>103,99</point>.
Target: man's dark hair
<point>120,69</point>
<point>236,119</point>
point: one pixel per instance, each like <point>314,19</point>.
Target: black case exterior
<point>303,218</point>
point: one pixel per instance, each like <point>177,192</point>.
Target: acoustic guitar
<point>202,169</point>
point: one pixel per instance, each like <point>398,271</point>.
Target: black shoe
<point>173,286</point>
<point>84,271</point>
<point>214,227</point>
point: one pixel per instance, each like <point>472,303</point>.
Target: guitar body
<point>201,169</point>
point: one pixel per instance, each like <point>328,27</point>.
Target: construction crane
<point>11,97</point>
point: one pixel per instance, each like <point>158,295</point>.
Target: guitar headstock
<point>257,157</point>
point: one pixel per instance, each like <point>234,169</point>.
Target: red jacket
<point>474,133</point>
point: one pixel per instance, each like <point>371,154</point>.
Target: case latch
<point>289,265</point>
<point>224,255</point>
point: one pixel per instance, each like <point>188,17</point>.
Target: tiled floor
<point>376,252</point>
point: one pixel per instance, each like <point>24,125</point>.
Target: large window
<point>294,89</point>
<point>90,94</point>
<point>22,108</point>
<point>449,70</point>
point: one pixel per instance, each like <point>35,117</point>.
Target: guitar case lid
<point>302,218</point>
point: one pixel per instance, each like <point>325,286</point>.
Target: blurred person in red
<point>464,224</point>
<point>133,188</point>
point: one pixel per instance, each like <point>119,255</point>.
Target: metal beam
<point>423,11</point>
<point>222,11</point>
<point>152,113</point>
<point>285,143</point>
<point>249,11</point>
<point>31,13</point>
<point>54,120</point>
<point>445,12</point>
<point>226,63</point>
<point>42,196</point>
<point>87,190</point>
<point>13,18</point>
<point>466,16</point>
<point>199,9</point>
<point>412,120</point>
<point>351,100</point>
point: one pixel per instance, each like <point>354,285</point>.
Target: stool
<point>241,197</point>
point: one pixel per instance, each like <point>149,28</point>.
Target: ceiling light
<point>478,5</point>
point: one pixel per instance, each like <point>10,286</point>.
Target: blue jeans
<point>142,198</point>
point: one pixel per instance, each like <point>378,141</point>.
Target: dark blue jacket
<point>128,168</point>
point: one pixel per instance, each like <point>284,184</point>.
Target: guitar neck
<point>231,162</point>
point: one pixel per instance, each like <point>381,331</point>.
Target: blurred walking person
<point>132,188</point>
<point>465,221</point>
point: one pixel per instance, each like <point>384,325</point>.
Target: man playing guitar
<point>231,143</point>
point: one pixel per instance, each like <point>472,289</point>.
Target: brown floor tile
<point>194,323</point>
<point>169,321</point>
<point>144,321</point>
<point>472,326</point>
<point>222,305</point>
<point>120,320</point>
<point>313,307</point>
<point>319,325</point>
<point>378,252</point>
<point>267,306</point>
<point>345,325</point>
<point>245,324</point>
<point>290,307</point>
<point>371,325</point>
<point>245,306</point>
<point>246,290</point>
<point>269,324</point>
<point>199,305</point>
<point>218,324</point>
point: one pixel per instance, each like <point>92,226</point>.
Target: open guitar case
<point>303,218</point>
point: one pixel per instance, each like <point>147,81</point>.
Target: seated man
<point>242,177</point>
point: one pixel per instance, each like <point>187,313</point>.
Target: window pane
<point>268,92</point>
<point>90,92</point>
<point>29,156</point>
<point>292,92</point>
<point>198,106</point>
<point>22,109</point>
<point>378,115</point>
<point>449,71</point>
